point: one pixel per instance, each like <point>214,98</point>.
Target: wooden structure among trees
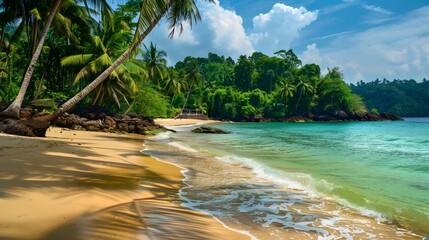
<point>192,114</point>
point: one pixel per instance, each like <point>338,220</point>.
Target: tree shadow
<point>150,218</point>
<point>23,167</point>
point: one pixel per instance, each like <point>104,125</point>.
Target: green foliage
<point>256,85</point>
<point>406,98</point>
<point>151,103</point>
<point>334,94</point>
<point>357,104</point>
<point>375,111</point>
<point>272,87</point>
<point>243,73</point>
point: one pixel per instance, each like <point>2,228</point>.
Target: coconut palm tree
<point>156,63</point>
<point>13,110</point>
<point>174,84</point>
<point>107,44</point>
<point>286,91</point>
<point>304,88</point>
<point>178,12</point>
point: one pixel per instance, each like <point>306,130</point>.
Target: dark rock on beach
<point>205,129</point>
<point>115,123</point>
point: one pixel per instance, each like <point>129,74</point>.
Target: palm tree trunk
<point>40,85</point>
<point>74,100</point>
<point>299,98</point>
<point>172,99</point>
<point>187,97</point>
<point>131,106</point>
<point>13,110</point>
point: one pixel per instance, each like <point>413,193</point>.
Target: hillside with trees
<point>406,98</point>
<point>261,86</point>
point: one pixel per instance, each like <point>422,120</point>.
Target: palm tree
<point>178,12</point>
<point>13,110</point>
<point>173,84</point>
<point>107,44</point>
<point>304,87</point>
<point>193,77</point>
<point>156,63</point>
<point>286,91</point>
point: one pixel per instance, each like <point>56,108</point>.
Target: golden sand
<point>91,185</point>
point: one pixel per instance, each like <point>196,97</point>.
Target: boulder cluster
<point>97,119</point>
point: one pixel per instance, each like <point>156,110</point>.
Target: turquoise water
<point>382,167</point>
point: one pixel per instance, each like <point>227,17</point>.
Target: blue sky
<point>367,39</point>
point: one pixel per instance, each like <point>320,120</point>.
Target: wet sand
<point>91,185</point>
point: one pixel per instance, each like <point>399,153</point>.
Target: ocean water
<point>352,180</point>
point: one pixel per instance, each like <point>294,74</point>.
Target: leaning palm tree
<point>178,12</point>
<point>13,110</point>
<point>107,44</point>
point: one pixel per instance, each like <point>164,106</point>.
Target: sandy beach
<point>92,185</point>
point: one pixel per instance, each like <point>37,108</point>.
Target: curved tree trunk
<point>138,38</point>
<point>13,110</point>
<point>74,100</point>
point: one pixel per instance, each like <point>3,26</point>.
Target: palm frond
<point>35,12</point>
<point>98,42</point>
<point>84,72</point>
<point>77,60</point>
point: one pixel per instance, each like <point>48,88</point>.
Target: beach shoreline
<point>86,185</point>
<point>217,184</point>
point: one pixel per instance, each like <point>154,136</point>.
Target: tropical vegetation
<point>407,98</point>
<point>83,52</point>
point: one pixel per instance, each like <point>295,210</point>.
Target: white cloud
<point>398,50</point>
<point>220,31</point>
<point>377,9</point>
<point>277,29</point>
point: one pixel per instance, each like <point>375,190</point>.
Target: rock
<point>122,127</point>
<point>74,119</point>
<point>391,117</point>
<point>324,118</point>
<point>109,122</point>
<point>131,127</point>
<point>360,115</point>
<point>93,125</point>
<point>205,129</point>
<point>373,117</point>
<point>77,127</point>
<point>340,114</point>
<point>297,119</point>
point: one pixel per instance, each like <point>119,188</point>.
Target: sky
<point>367,39</point>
